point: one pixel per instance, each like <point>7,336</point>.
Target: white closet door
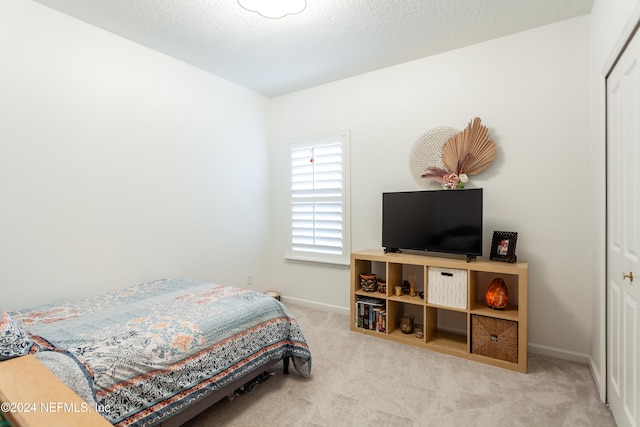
<point>623,237</point>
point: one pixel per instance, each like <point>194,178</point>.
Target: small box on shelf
<point>495,338</point>
<point>447,287</point>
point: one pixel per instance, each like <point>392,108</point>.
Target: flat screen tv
<point>448,221</point>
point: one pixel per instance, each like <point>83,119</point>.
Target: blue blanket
<point>151,350</point>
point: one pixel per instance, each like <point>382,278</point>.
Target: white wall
<point>611,25</point>
<point>120,165</point>
<point>532,91</point>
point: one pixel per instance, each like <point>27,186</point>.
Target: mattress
<point>149,351</point>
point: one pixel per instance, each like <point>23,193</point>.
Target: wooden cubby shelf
<point>455,318</point>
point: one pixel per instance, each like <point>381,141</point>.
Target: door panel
<point>630,357</point>
<point>623,236</point>
<point>614,337</point>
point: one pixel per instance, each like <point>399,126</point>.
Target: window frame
<point>344,138</point>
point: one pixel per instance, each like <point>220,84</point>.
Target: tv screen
<point>447,221</point>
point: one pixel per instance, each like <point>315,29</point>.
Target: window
<point>319,199</point>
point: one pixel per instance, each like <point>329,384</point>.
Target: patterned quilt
<point>151,350</point>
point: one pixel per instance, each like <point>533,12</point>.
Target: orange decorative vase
<point>497,294</point>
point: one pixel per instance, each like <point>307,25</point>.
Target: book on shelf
<point>371,314</point>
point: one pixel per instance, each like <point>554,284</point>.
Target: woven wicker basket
<point>368,282</point>
<point>496,338</point>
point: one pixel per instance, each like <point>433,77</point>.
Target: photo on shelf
<point>503,246</point>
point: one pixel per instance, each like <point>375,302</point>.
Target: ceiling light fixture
<point>274,9</point>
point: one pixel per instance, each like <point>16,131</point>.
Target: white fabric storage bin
<point>447,287</point>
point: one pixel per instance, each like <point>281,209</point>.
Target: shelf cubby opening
<point>398,273</point>
<point>446,329</point>
<point>479,283</point>
<point>371,314</point>
<point>396,310</point>
<point>370,267</point>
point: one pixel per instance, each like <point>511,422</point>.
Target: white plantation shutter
<point>319,196</point>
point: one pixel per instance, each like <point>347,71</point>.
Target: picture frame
<point>503,246</point>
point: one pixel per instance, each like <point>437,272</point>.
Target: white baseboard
<point>558,353</point>
<point>597,379</point>
<point>315,304</point>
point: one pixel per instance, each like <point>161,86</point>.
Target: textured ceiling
<point>329,40</point>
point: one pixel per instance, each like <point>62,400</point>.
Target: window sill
<point>314,260</point>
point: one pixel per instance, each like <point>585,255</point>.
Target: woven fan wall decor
<point>471,151</point>
<point>465,153</point>
<point>427,150</point>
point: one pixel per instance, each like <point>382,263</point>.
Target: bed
<point>159,352</point>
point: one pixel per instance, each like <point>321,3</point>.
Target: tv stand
<point>471,258</point>
<point>448,305</point>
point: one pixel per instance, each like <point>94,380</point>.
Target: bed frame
<point>202,405</point>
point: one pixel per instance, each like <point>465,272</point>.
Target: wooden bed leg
<point>285,362</point>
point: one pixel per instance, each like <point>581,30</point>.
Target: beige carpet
<point>359,380</point>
